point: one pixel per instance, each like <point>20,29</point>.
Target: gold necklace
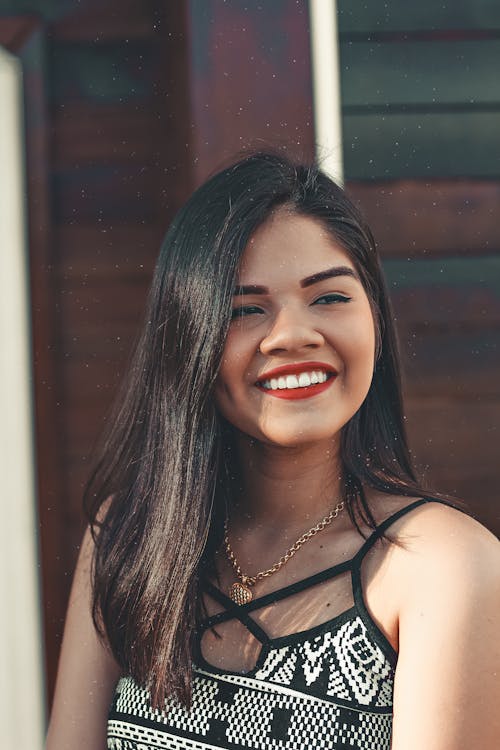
<point>240,592</point>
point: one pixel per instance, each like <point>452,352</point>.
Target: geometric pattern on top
<point>327,687</point>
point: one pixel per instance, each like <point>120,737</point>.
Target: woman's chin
<point>283,438</point>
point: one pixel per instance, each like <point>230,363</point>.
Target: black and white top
<point>329,686</point>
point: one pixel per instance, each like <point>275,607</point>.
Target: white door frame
<point>22,694</point>
<point>326,87</point>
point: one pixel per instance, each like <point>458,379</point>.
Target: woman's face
<point>297,321</point>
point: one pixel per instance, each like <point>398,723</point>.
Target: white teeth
<point>303,380</point>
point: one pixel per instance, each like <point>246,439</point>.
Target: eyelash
<point>240,312</point>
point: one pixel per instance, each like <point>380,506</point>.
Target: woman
<point>267,571</point>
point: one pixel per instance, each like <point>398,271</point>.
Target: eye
<point>240,312</point>
<point>329,299</point>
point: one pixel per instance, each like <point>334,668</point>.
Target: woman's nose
<point>291,331</point>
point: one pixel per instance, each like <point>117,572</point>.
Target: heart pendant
<point>240,594</point>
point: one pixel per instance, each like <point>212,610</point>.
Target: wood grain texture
<point>414,218</point>
<point>250,80</point>
<point>105,20</point>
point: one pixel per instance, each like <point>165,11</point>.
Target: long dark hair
<point>156,497</point>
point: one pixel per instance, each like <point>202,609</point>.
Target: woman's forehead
<point>289,246</point>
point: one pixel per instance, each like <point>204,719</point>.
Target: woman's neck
<point>285,487</point>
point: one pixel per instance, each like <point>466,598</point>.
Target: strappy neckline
<point>358,609</point>
<point>238,610</point>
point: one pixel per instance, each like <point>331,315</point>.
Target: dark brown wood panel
<point>102,251</point>
<point>439,217</point>
<point>456,448</point>
<point>106,20</point>
<point>82,134</point>
<point>447,312</point>
<point>449,341</point>
<point>101,316</point>
<point>117,115</point>
<point>250,79</point>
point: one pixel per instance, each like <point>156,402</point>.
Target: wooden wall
<point>144,100</point>
<point>117,168</point>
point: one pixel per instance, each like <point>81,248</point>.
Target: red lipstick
<point>295,369</point>
<point>293,394</point>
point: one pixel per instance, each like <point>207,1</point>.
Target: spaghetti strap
<point>357,589</point>
<point>381,528</point>
<point>240,611</point>
<point>232,611</point>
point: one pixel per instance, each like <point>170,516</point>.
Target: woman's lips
<point>296,368</point>
<point>292,394</point>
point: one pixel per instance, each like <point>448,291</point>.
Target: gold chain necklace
<point>240,592</point>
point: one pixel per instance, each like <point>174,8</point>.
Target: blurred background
<point>111,113</point>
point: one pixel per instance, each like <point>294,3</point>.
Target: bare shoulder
<point>442,548</point>
<point>436,531</point>
<point>445,572</point>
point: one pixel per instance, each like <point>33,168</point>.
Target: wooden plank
<point>90,387</point>
<point>455,438</point>
<point>431,74</point>
<point>112,251</point>
<point>393,15</point>
<point>112,72</point>
<point>83,132</point>
<point>101,319</point>
<point>463,288</point>
<point>452,362</point>
<point>414,218</point>
<point>16,31</point>
<point>250,79</point>
<point>104,20</point>
<point>107,193</point>
<point>384,147</point>
<point>448,319</point>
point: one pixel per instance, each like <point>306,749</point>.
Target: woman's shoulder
<point>444,577</point>
<point>438,540</point>
<point>428,519</point>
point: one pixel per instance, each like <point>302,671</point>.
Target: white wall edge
<point>22,698</point>
<point>326,87</point>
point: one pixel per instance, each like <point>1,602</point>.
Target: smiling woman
<point>262,568</point>
<point>306,309</point>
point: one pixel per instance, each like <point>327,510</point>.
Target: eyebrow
<point>330,273</point>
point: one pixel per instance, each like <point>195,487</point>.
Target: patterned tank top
<point>329,686</point>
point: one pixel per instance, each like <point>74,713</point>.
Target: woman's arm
<point>447,687</point>
<point>87,672</point>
